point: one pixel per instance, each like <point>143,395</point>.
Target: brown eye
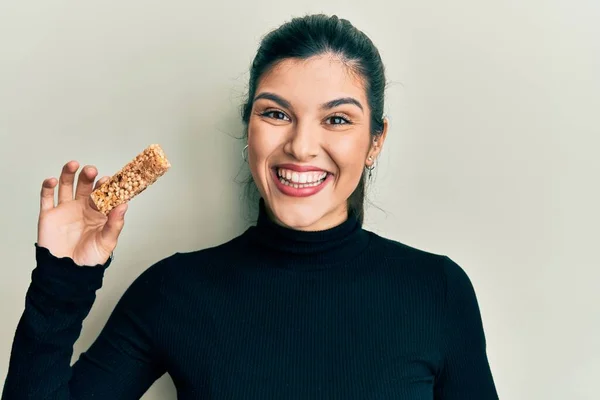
<point>275,115</point>
<point>337,120</point>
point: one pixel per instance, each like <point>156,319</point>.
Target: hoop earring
<point>370,168</point>
<point>245,153</point>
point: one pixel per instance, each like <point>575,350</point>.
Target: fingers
<point>99,183</point>
<point>85,181</point>
<point>66,180</point>
<point>47,194</point>
<point>114,225</point>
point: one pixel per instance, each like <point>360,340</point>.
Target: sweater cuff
<point>62,277</point>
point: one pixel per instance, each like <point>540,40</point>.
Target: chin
<point>304,217</point>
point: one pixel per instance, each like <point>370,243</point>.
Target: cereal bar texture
<point>132,179</point>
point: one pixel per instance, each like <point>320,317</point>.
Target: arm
<point>465,373</point>
<point>121,364</point>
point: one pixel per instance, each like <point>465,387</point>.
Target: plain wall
<point>491,157</point>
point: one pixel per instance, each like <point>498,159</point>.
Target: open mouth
<point>300,183</point>
<point>299,180</point>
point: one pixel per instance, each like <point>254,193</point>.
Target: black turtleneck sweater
<point>272,314</point>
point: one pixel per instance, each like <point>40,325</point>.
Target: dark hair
<point>314,35</point>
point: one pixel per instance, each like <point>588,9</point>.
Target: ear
<point>377,144</point>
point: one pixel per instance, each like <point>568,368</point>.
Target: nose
<point>303,143</point>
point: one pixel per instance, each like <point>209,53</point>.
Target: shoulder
<point>188,266</point>
<point>210,256</point>
<point>439,266</point>
<point>437,274</point>
<point>390,249</point>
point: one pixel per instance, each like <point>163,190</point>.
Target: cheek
<point>263,138</point>
<point>349,156</point>
<point>262,143</point>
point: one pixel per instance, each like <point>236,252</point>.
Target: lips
<point>300,181</point>
<point>301,168</point>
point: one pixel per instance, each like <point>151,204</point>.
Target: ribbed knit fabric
<point>272,314</point>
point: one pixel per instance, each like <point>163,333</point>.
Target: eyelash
<point>346,120</point>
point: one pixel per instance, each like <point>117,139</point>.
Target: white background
<point>491,157</point>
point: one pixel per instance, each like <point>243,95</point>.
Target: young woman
<point>304,305</point>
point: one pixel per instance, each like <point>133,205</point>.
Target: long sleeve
<point>121,364</point>
<point>465,373</point>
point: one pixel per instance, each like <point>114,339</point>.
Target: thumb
<point>114,224</point>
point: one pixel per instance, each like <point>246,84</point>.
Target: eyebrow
<point>339,102</point>
<point>326,106</point>
<point>276,98</point>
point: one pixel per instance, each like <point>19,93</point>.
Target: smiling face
<point>309,141</point>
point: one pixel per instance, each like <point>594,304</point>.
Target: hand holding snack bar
<point>87,221</point>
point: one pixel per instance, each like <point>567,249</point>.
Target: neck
<point>285,247</point>
<point>330,220</point>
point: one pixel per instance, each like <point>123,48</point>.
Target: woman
<point>304,305</point>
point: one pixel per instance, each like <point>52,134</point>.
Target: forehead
<point>313,81</point>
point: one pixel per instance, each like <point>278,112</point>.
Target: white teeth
<point>301,178</point>
<point>295,185</point>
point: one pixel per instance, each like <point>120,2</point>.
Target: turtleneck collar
<point>307,249</point>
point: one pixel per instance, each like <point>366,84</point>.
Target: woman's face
<point>309,141</point>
